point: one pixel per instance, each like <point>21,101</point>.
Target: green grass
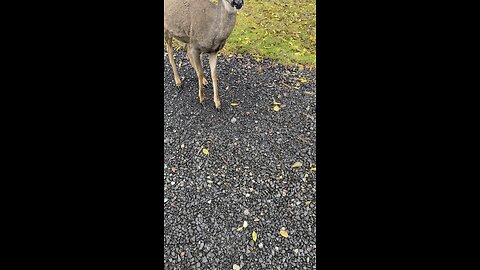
<point>282,30</point>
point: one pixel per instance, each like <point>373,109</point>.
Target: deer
<point>204,28</point>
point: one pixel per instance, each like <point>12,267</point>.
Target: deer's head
<point>236,3</point>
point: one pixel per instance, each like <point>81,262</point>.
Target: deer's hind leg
<point>168,41</point>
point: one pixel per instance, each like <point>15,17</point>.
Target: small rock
<point>246,212</point>
<point>234,120</point>
<point>260,245</point>
<point>236,267</point>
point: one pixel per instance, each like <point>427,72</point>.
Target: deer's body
<point>204,27</point>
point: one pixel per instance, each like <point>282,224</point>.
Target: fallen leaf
<point>254,236</point>
<point>205,151</point>
<point>239,229</point>
<point>284,233</point>
<point>250,189</point>
<point>297,165</point>
<point>314,169</point>
<point>276,108</point>
<point>276,103</point>
<point>234,104</point>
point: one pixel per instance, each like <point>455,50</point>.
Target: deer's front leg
<point>212,59</point>
<point>205,82</point>
<point>197,65</point>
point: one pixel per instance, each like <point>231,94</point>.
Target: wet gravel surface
<point>247,174</point>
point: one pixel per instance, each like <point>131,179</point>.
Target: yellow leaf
<point>314,169</point>
<point>303,80</point>
<point>239,229</point>
<point>234,104</point>
<point>276,108</point>
<point>205,151</point>
<point>284,233</point>
<point>297,165</point>
<point>276,103</point>
<point>254,236</point>
<point>251,189</point>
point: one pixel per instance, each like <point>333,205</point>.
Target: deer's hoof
<point>218,105</point>
<point>205,82</point>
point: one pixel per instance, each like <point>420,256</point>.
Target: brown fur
<point>204,27</point>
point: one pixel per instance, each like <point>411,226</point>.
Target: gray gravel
<point>247,175</point>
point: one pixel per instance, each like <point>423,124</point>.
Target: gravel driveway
<point>227,169</point>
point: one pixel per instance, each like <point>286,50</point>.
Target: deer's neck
<point>226,16</point>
